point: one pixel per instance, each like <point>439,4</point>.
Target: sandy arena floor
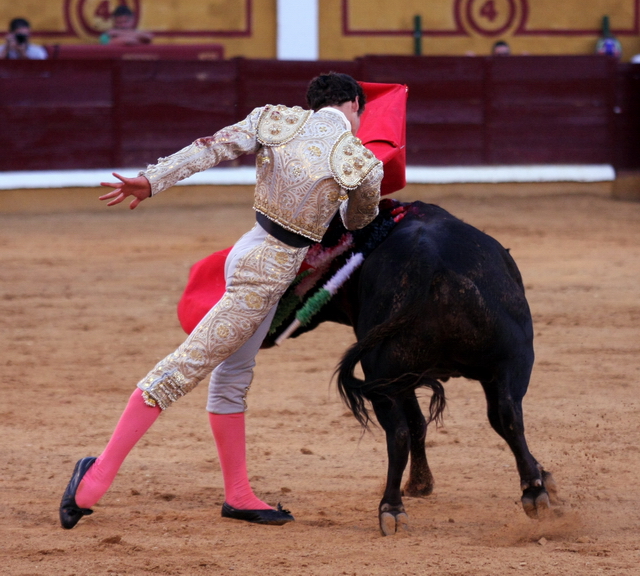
<point>87,306</point>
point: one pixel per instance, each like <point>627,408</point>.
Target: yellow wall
<point>244,27</point>
<point>352,28</point>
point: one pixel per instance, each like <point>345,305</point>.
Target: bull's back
<point>459,291</point>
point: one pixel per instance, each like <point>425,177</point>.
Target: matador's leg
<point>262,275</point>
<point>259,280</point>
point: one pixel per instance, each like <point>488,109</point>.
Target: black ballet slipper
<point>70,512</point>
<point>272,517</point>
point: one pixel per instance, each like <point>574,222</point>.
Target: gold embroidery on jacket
<point>280,124</point>
<point>296,189</point>
<point>350,161</point>
<point>296,184</point>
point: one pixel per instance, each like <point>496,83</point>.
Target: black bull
<point>436,299</point>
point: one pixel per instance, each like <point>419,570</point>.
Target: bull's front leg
<point>391,513</point>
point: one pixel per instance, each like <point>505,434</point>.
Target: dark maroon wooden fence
<point>144,52</point>
<point>69,114</point>
<point>627,117</point>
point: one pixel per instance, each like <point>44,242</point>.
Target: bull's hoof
<point>537,507</point>
<point>537,496</point>
<point>393,519</point>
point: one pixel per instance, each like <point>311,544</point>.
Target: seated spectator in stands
<point>608,44</point>
<point>17,45</point>
<point>500,48</point>
<point>124,31</point>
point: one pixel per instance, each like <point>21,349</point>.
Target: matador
<point>309,166</point>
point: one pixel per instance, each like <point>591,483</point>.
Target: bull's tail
<point>352,388</point>
<point>355,391</point>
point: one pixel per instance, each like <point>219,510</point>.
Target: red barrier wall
<point>627,117</point>
<point>66,114</point>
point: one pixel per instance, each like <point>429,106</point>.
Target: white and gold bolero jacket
<point>308,166</point>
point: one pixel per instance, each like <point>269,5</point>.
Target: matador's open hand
<point>138,187</point>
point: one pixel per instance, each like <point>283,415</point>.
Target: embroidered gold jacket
<point>308,166</point>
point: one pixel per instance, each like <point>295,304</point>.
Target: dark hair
<point>122,10</point>
<point>18,23</point>
<point>500,43</point>
<point>333,89</point>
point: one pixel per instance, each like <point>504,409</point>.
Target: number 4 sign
<point>491,17</point>
<point>92,17</point>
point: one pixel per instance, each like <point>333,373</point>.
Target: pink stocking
<point>228,431</point>
<point>136,419</point>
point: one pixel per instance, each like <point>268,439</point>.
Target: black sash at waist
<point>282,234</point>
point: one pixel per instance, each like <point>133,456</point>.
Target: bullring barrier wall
<point>462,111</point>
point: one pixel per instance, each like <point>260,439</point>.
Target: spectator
<point>124,31</point>
<point>500,48</point>
<point>608,44</point>
<point>17,45</point>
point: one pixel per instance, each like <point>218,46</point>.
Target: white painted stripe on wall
<point>247,175</point>
<point>496,174</point>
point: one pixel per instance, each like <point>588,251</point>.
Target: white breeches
<point>230,381</point>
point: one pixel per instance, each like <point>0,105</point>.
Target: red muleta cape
<point>382,130</point>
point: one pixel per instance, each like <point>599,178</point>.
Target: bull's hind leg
<point>420,482</point>
<point>504,408</point>
<point>391,512</point>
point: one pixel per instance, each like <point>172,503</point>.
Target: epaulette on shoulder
<point>350,161</point>
<point>280,124</point>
